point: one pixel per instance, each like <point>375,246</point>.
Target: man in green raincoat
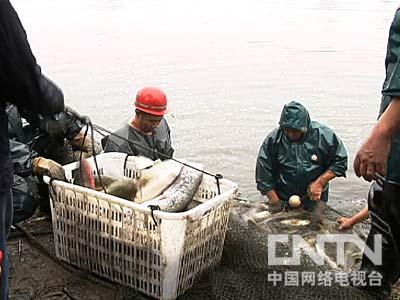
<point>299,157</point>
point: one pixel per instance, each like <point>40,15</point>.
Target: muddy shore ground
<point>37,275</point>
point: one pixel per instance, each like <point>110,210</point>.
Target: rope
<point>99,129</point>
<point>94,154</point>
<point>74,270</point>
<point>39,246</point>
<point>336,211</point>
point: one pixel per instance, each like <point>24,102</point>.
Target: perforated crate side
<point>122,244</point>
<point>208,188</point>
<point>111,240</point>
<point>204,241</point>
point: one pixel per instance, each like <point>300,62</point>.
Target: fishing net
<point>244,271</point>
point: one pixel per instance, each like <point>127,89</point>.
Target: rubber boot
<point>391,207</point>
<point>43,198</point>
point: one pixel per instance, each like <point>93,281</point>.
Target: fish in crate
<point>167,185</point>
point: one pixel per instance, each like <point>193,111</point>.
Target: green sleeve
<point>266,164</point>
<point>337,154</point>
<point>391,86</point>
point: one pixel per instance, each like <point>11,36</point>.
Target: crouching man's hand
<point>275,207</point>
<point>317,187</point>
<point>315,190</point>
<point>274,203</point>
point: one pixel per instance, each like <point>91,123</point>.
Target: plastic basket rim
<point>194,213</point>
<point>164,215</point>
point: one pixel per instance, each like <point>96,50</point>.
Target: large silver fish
<point>156,179</point>
<point>177,197</point>
<point>153,180</point>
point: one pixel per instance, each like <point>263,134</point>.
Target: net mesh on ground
<point>244,271</point>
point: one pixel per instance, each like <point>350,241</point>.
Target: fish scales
<point>177,196</point>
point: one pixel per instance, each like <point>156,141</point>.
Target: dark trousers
<point>383,205</point>
<point>391,207</point>
<point>6,212</point>
<point>24,200</point>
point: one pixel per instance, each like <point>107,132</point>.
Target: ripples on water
<point>227,67</point>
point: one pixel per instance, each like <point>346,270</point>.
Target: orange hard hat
<point>151,100</point>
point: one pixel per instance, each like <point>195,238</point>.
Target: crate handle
<point>153,208</point>
<point>217,178</point>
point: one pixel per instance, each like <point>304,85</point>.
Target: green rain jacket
<point>289,167</point>
<point>391,89</point>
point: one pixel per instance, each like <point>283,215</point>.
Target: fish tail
<point>88,174</point>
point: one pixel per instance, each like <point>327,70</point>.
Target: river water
<point>227,67</point>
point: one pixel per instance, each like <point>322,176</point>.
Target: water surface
<point>227,67</point>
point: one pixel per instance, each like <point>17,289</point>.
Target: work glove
<point>43,166</point>
<point>84,119</point>
<point>84,144</point>
<point>275,207</point>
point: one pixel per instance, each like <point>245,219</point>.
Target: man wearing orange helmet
<point>148,133</point>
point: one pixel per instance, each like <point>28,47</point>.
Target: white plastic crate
<point>118,239</point>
